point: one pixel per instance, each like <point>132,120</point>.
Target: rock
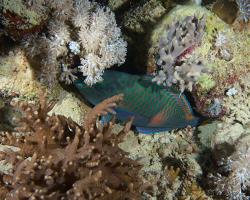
<point>206,133</point>
<point>144,13</point>
<point>116,4</point>
<point>226,10</point>
<point>17,79</point>
<point>17,76</point>
<point>69,105</point>
<point>228,134</point>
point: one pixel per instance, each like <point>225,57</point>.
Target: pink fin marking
<point>189,117</point>
<point>157,120</point>
<point>182,102</point>
<point>186,108</point>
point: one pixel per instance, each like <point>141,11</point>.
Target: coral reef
<point>58,159</point>
<point>170,163</point>
<point>116,4</point>
<point>227,140</point>
<point>238,112</point>
<point>56,154</point>
<point>182,37</point>
<point>198,2</point>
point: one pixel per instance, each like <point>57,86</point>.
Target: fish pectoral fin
<point>151,130</point>
<point>105,119</point>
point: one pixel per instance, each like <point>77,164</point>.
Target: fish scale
<point>155,108</point>
<point>139,104</point>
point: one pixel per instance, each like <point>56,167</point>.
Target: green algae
<point>18,8</point>
<point>206,82</point>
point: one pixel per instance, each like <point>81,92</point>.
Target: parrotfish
<point>155,108</point>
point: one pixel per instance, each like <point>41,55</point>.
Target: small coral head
<point>175,50</point>
<point>244,9</point>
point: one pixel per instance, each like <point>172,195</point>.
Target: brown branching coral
<point>171,174</point>
<point>193,191</point>
<point>58,159</point>
<point>102,109</point>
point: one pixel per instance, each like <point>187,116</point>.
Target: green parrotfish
<point>155,108</point>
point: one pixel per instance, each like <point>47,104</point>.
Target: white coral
<point>90,69</point>
<point>244,9</point>
<point>160,78</point>
<point>241,163</point>
<point>221,40</point>
<point>231,92</point>
<point>59,36</point>
<point>100,38</point>
<point>74,47</point>
<point>82,16</point>
<point>99,44</point>
<point>67,75</point>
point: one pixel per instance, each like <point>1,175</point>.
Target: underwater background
<point>125,99</point>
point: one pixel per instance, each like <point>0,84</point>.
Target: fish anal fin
<point>151,130</point>
<point>105,119</point>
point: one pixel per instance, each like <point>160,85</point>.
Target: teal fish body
<point>154,108</point>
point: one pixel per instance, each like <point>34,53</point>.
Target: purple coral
<point>181,39</point>
<point>244,9</point>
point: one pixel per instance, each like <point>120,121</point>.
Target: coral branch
<point>103,108</point>
<point>59,159</point>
